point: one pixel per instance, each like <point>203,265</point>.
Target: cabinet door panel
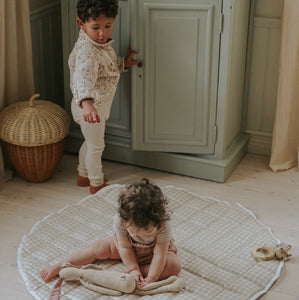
<point>119,122</point>
<point>175,89</point>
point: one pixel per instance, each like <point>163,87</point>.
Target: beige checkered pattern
<point>214,241</point>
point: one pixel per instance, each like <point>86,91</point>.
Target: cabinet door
<point>174,86</point>
<point>119,122</point>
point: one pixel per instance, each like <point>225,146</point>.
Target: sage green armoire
<point>180,109</point>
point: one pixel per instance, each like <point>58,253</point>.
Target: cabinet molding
<point>189,165</point>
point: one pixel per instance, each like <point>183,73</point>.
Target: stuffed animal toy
<point>268,253</point>
<point>105,282</point>
<point>114,283</point>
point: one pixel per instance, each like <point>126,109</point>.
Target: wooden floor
<point>272,197</point>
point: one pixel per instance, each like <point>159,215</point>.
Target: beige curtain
<point>16,72</point>
<point>286,127</point>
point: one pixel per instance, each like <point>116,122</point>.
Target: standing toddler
<point>94,73</point>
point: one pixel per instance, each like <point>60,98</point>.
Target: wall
<point>46,35</point>
<point>262,76</point>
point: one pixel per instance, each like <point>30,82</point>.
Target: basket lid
<point>33,123</point>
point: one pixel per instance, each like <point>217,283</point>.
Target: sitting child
<point>142,238</point>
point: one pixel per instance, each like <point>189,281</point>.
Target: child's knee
<point>103,249</point>
<point>94,148</point>
<point>177,267</point>
<point>174,265</point>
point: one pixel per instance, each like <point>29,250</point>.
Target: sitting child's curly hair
<point>87,9</point>
<point>142,204</point>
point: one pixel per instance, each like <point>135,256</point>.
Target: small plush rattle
<point>113,283</point>
<point>268,253</point>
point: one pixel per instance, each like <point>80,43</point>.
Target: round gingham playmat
<point>214,241</point>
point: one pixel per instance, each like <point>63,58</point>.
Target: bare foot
<point>50,272</point>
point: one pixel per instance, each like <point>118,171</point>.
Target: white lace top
<point>94,70</point>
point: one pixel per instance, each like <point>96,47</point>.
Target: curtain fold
<point>16,71</point>
<point>284,154</point>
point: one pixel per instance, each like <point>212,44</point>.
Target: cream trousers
<point>90,154</point>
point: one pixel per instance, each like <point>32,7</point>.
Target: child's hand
<point>146,281</point>
<point>128,60</point>
<point>90,114</point>
<point>137,275</point>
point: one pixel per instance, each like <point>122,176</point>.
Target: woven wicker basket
<point>34,132</point>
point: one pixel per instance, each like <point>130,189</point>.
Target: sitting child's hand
<point>149,279</point>
<point>146,281</point>
<point>137,275</point>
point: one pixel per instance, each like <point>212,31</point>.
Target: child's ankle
<point>84,181</point>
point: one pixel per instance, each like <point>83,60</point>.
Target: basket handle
<point>31,100</point>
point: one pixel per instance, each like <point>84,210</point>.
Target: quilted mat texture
<point>214,241</point>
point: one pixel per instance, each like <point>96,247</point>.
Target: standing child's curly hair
<point>142,204</point>
<point>87,9</point>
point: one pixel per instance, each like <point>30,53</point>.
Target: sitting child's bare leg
<point>100,249</point>
<point>173,267</point>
